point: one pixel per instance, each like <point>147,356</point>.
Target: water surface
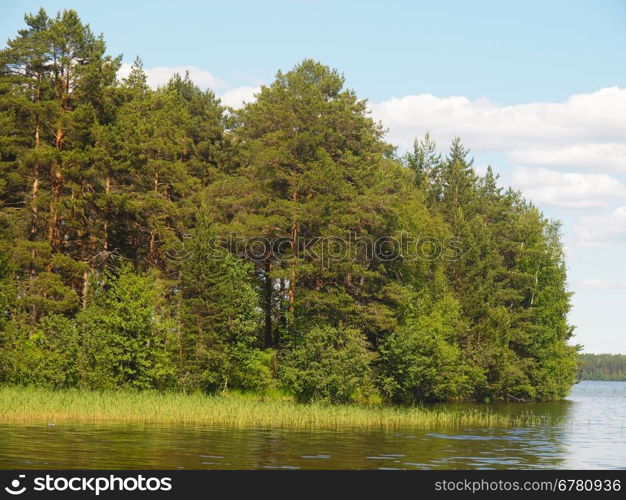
<point>591,435</point>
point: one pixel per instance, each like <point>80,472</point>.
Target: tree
<point>422,360</point>
<point>220,319</point>
<point>53,94</point>
<point>424,161</point>
<point>602,366</point>
<point>47,358</point>
<point>313,167</point>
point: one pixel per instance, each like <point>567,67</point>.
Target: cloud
<point>586,130</point>
<point>160,75</point>
<point>602,230</point>
<point>591,156</point>
<point>596,284</point>
<point>568,190</point>
<point>238,96</point>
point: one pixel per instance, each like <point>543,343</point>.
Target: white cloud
<point>596,284</point>
<point>160,75</point>
<point>588,156</point>
<point>238,96</point>
<point>481,169</point>
<point>124,70</point>
<point>602,230</point>
<point>568,190</point>
<point>586,130</point>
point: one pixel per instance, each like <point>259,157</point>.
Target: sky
<point>536,89</point>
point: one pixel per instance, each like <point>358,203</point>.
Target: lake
<point>591,434</point>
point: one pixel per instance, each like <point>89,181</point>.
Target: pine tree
<point>55,75</point>
<point>423,160</point>
<point>313,165</point>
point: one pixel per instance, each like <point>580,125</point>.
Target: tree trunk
<point>85,290</point>
<point>63,94</point>
<point>268,303</point>
<point>34,193</point>
<point>53,226</point>
<point>283,313</point>
<point>292,274</point>
<point>33,227</point>
<point>35,187</point>
<point>107,189</point>
<point>294,251</point>
<point>179,315</point>
<point>151,256</point>
<point>534,290</point>
<point>57,182</point>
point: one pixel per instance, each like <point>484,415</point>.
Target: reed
<point>27,404</point>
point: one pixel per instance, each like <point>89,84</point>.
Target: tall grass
<point>27,404</point>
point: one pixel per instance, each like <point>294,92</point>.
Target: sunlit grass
<point>26,404</point>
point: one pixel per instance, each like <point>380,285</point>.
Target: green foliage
<point>313,165</point>
<point>328,364</point>
<point>220,319</point>
<point>422,361</point>
<point>126,341</point>
<point>47,358</point>
<point>112,195</point>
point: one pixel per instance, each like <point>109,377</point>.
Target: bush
<point>421,362</point>
<point>418,366</point>
<point>251,368</point>
<point>56,339</point>
<point>47,358</point>
<point>125,341</point>
<point>329,364</point>
<point>220,366</point>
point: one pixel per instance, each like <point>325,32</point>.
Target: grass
<point>34,405</point>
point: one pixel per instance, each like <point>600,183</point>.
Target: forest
<point>156,239</point>
<point>602,367</point>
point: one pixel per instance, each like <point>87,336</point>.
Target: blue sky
<point>511,52</point>
<point>536,88</point>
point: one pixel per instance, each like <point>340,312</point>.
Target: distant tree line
<point>112,192</point>
<point>602,367</point>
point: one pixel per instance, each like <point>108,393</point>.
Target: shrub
<point>125,341</point>
<point>329,364</point>
<point>46,358</point>
<point>421,362</point>
<point>251,368</point>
